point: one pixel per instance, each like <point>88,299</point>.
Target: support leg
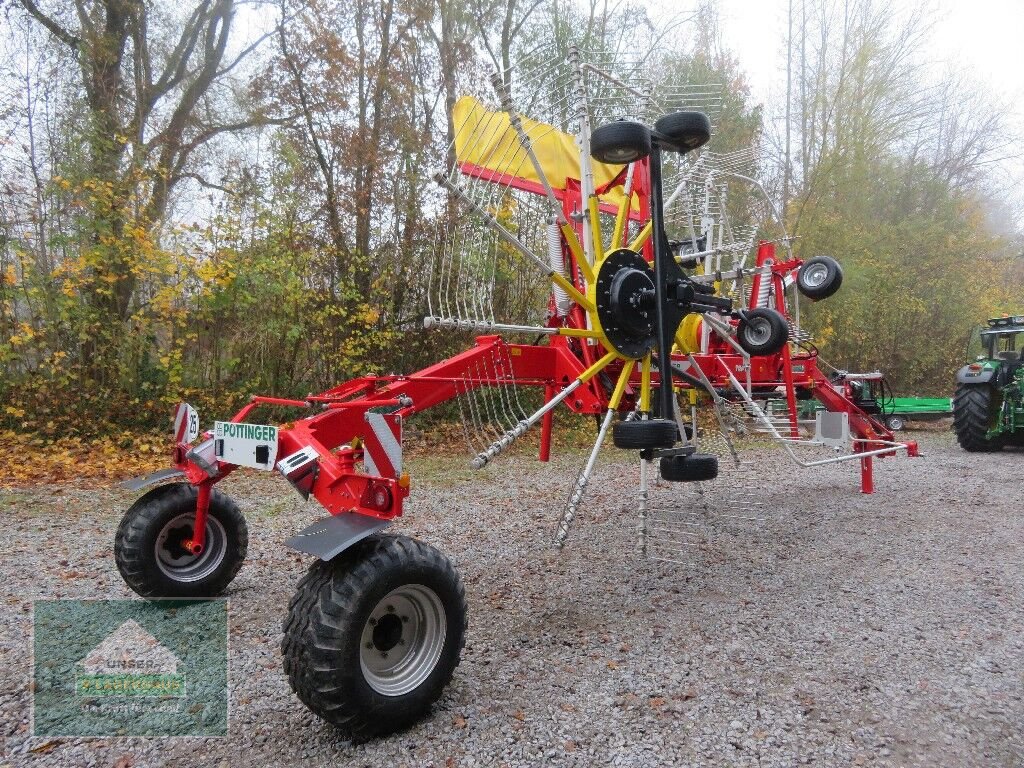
<point>202,510</point>
<point>867,481</point>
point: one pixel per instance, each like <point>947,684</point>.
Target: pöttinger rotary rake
<point>376,627</point>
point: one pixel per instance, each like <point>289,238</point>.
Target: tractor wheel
<point>652,433</point>
<point>819,278</point>
<point>620,142</point>
<point>148,544</point>
<point>687,130</point>
<point>374,636</point>
<point>895,423</point>
<point>689,469</point>
<point>975,412</point>
<point>762,331</point>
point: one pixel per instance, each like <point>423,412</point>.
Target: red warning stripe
<point>382,444</point>
<point>180,422</point>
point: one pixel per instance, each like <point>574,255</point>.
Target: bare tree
<point>149,111</point>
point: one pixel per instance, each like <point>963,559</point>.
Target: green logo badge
<point>130,668</point>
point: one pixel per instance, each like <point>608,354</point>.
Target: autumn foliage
<point>191,211</point>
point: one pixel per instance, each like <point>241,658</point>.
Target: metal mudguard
<point>138,483</point>
<point>330,536</point>
<point>966,376</point>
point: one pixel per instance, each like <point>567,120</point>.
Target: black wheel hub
<point>625,303</point>
<point>175,541</point>
<point>388,632</point>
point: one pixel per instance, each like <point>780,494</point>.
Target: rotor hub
<point>625,302</point>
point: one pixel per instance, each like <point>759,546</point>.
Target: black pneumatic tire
<point>762,331</point>
<point>620,142</point>
<point>154,565</point>
<point>329,639</point>
<point>687,130</point>
<point>819,278</point>
<point>652,433</point>
<point>974,414</point>
<point>689,469</point>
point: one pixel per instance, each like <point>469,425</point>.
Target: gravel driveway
<point>825,628</point>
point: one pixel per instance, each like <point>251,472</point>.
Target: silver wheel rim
<point>176,563</point>
<point>815,275</point>
<point>757,332</point>
<point>402,640</point>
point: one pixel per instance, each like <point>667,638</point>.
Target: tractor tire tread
<point>971,417</point>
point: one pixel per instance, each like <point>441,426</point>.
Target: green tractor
<point>988,407</point>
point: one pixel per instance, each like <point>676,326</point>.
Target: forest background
<point>209,199</point>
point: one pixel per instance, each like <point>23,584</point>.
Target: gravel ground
<point>828,628</point>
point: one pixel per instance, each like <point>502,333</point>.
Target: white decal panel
<point>186,423</point>
<point>247,445</point>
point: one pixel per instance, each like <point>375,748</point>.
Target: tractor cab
<point>999,340</point>
<point>995,352</point>
<point>868,391</point>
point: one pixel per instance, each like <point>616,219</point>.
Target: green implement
<point>900,410</point>
<point>988,407</point>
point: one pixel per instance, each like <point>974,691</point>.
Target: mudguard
<point>982,376</point>
<point>138,483</point>
<point>330,536</point>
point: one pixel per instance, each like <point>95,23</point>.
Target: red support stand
<point>867,481</point>
<point>202,509</point>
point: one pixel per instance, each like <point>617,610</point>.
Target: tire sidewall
<point>654,433</point>
<point>697,467</point>
<point>618,135</point>
<point>777,338</point>
<point>407,707</point>
<point>833,279</point>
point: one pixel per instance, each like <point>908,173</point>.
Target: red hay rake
<point>631,320</point>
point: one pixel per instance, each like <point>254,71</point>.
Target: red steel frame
<point>336,432</point>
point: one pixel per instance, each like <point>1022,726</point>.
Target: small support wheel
<point>686,130</point>
<point>153,549</point>
<point>373,636</point>
<point>689,469</point>
<point>895,422</point>
<point>819,278</point>
<point>652,433</point>
<point>762,331</point>
<point>620,142</point>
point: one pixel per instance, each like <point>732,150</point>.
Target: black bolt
<point>383,654</point>
<point>391,609</point>
<point>405,619</point>
<point>373,622</point>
